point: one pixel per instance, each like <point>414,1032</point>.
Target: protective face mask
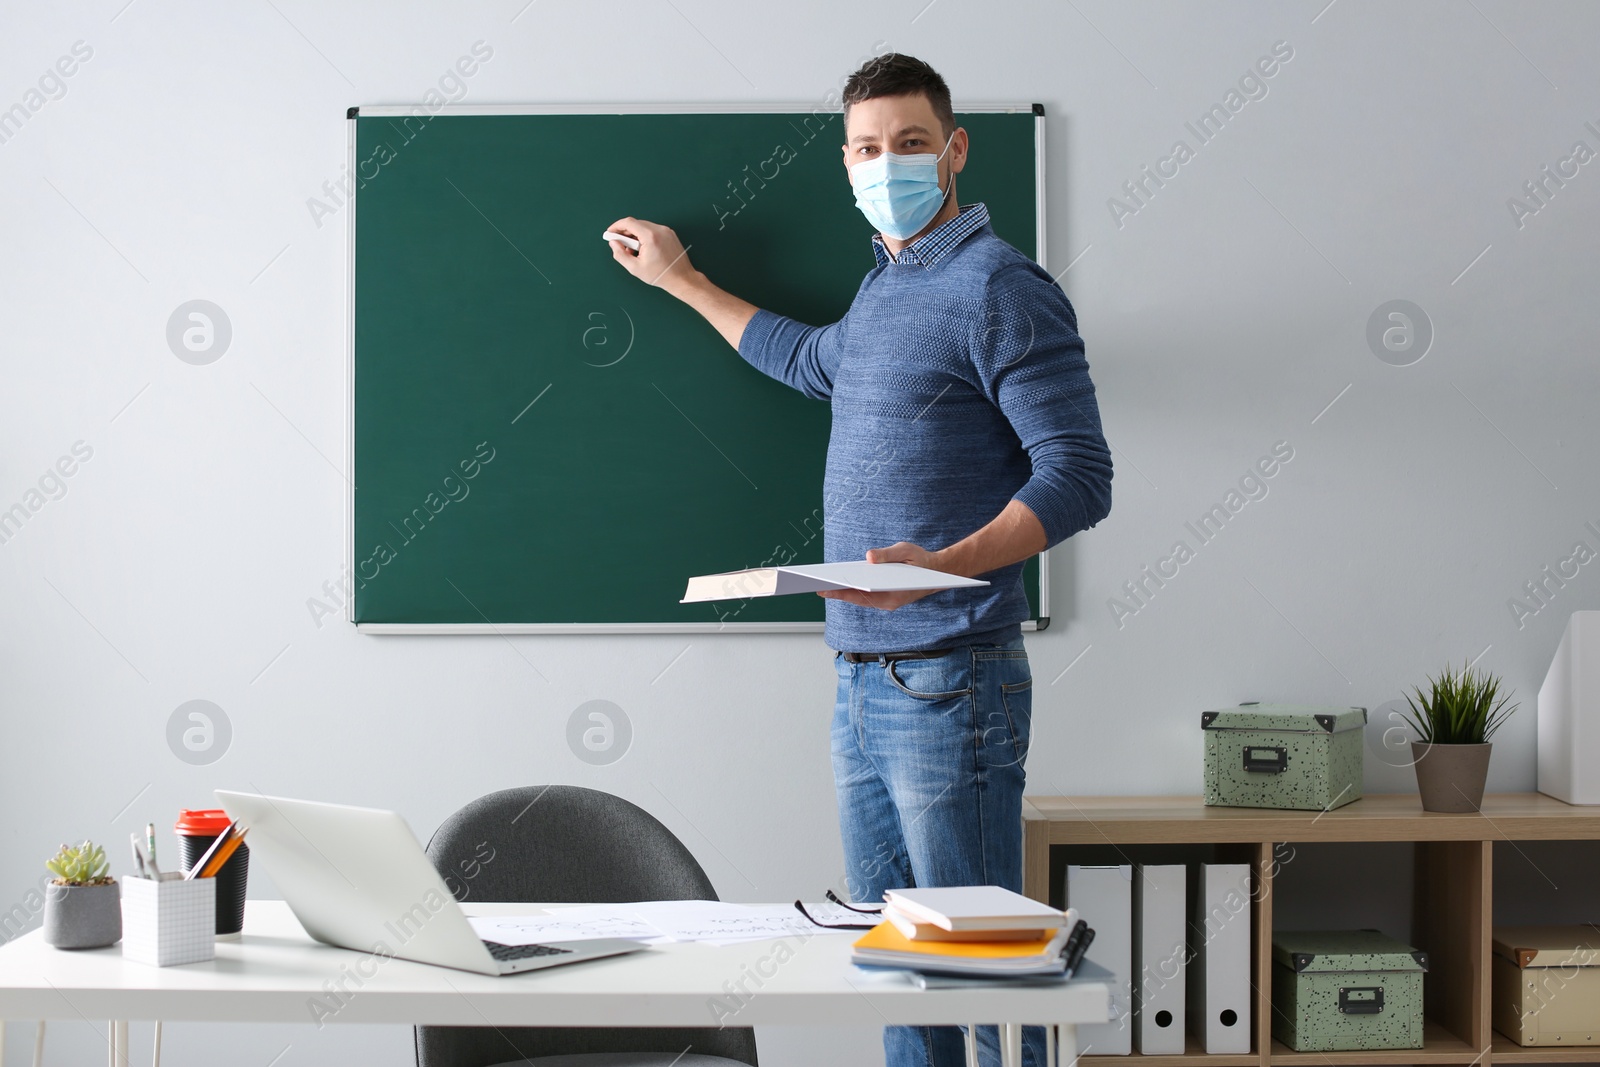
<point>899,194</point>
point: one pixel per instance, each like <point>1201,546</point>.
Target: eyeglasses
<point>834,898</point>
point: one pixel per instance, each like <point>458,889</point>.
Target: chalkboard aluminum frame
<point>503,629</point>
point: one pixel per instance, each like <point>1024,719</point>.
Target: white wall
<point>1221,317</point>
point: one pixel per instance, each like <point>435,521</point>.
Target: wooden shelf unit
<point>1438,1046</point>
<point>1505,1050</point>
<point>1193,1056</point>
<point>1452,906</point>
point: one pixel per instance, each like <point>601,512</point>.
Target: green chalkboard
<point>540,440</point>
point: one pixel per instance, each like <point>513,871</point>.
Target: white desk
<point>276,973</point>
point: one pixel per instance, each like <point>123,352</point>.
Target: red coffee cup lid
<point>202,822</point>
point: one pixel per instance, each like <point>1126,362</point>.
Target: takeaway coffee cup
<point>196,830</point>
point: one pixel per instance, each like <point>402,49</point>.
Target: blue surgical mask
<point>900,194</point>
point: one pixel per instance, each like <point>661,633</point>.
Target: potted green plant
<point>1454,721</point>
<point>82,905</point>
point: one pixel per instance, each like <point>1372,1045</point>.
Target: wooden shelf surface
<point>1380,817</point>
<point>1505,1050</point>
<point>1438,1046</point>
<point>1192,1056</point>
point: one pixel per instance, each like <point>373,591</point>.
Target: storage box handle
<point>1265,760</point>
<point>1361,1000</point>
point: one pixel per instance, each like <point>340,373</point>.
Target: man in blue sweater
<point>966,438</point>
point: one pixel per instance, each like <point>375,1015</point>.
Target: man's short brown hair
<point>893,74</point>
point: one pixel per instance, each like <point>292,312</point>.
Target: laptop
<point>357,878</point>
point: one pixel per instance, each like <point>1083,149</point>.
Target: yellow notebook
<point>885,937</point>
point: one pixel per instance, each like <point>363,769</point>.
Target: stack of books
<point>972,931</point>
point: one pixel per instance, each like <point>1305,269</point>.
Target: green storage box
<point>1340,990</point>
<point>1283,756</point>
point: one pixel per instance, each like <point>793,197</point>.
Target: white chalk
<point>629,242</point>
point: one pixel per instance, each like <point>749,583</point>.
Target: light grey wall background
<point>1224,312</point>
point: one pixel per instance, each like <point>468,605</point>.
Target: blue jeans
<point>928,765</point>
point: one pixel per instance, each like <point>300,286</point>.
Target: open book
<point>815,577</point>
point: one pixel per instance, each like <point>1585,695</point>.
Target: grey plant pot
<point>82,916</point>
<point>1451,777</point>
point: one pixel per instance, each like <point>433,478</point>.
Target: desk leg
<point>119,1043</point>
<point>1067,1045</point>
<point>38,1045</point>
<point>972,1045</point>
<point>155,1056</point>
<point>1011,1045</point>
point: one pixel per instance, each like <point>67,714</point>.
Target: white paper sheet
<point>538,929</point>
<point>726,924</point>
<point>709,921</point>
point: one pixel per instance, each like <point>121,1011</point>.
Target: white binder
<point>1569,705</point>
<point>1219,953</point>
<point>1160,951</point>
<point>1103,897</point>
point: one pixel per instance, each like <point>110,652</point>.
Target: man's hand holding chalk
<point>650,252</point>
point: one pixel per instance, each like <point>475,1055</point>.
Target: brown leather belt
<point>894,657</point>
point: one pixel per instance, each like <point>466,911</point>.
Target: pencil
<point>205,857</point>
<point>228,848</point>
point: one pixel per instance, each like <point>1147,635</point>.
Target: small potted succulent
<point>1454,721</point>
<point>82,905</point>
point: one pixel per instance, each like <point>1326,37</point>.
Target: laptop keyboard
<point>522,952</point>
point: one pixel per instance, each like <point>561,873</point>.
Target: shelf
<point>1452,906</point>
<point>1506,1050</point>
<point>1438,1046</point>
<point>1381,817</point>
<point>1192,1056</point>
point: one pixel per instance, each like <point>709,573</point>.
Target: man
<point>966,438</point>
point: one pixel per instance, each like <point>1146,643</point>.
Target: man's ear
<point>958,151</point>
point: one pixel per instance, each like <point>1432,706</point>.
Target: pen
<point>1073,938</point>
<point>138,857</point>
<point>150,839</point>
<point>1082,950</point>
<point>199,864</point>
<point>228,849</point>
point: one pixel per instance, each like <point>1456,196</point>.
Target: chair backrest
<point>563,843</point>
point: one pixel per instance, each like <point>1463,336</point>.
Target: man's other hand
<point>901,552</point>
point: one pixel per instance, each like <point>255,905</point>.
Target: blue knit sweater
<point>958,383</point>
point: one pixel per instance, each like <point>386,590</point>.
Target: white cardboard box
<point>1569,715</point>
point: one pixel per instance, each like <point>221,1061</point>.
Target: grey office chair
<point>564,843</point>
